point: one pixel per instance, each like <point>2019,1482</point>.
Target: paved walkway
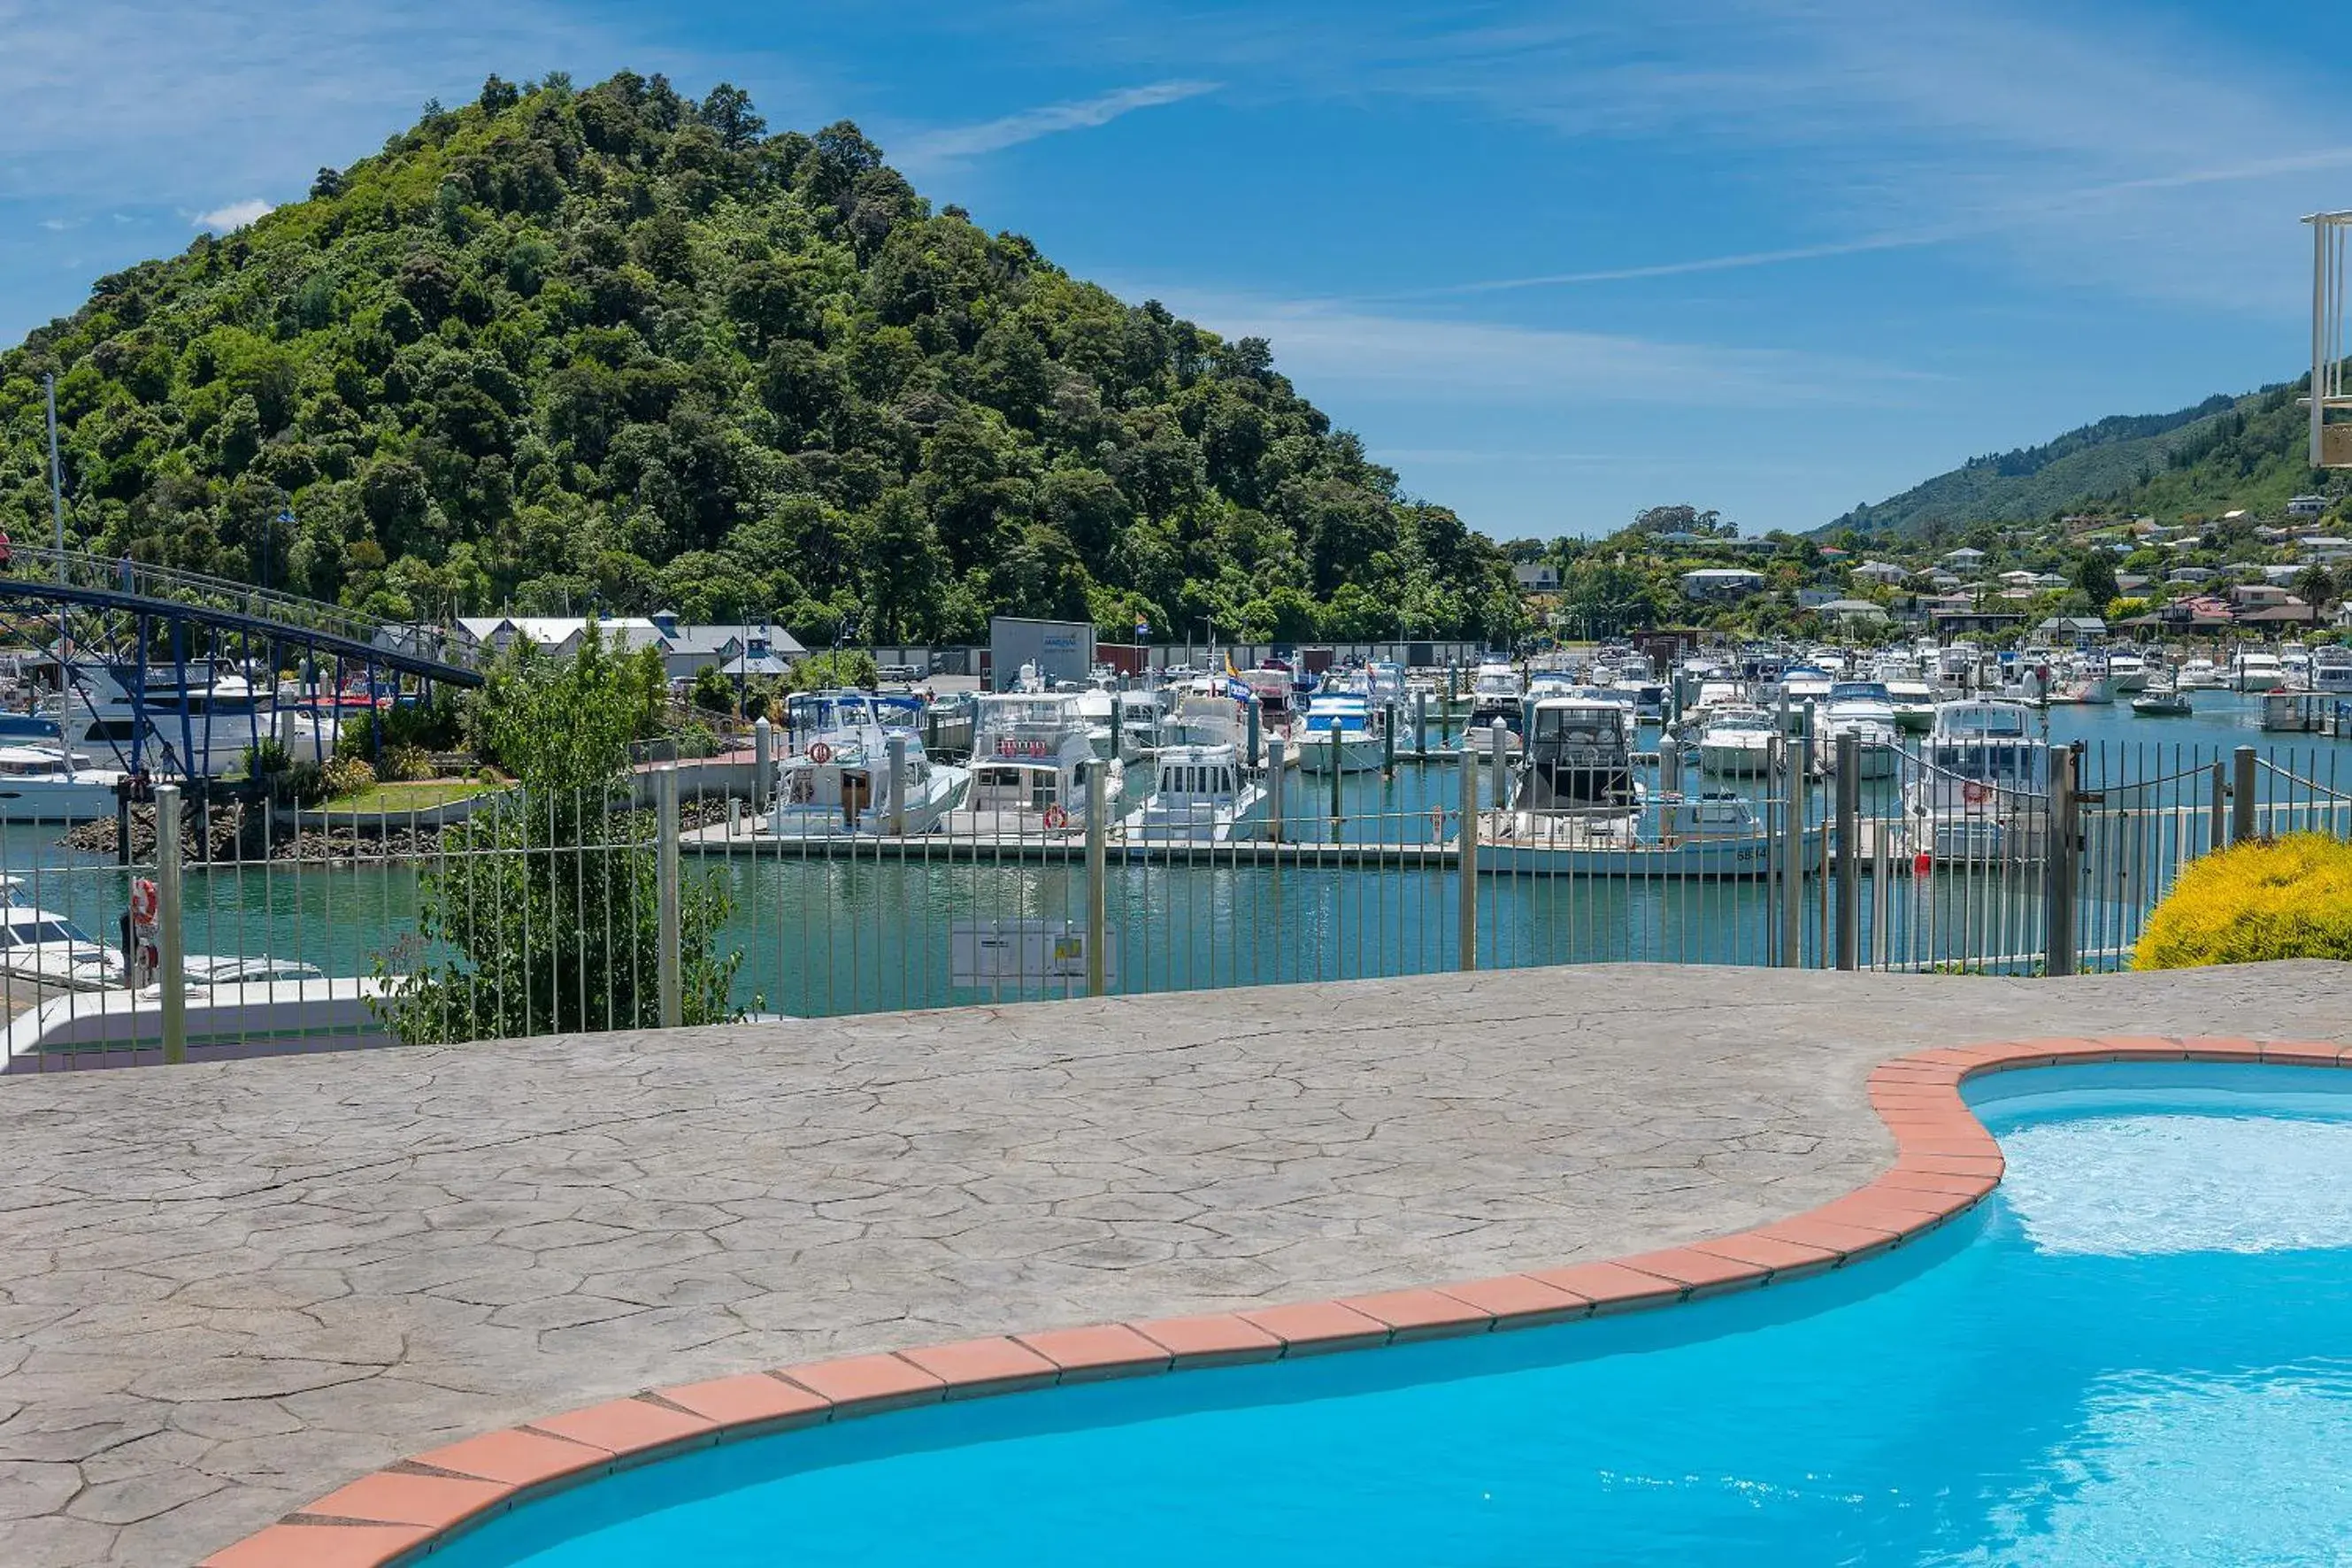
<point>224,1290</point>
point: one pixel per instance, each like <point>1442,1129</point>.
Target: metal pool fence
<point>261,932</point>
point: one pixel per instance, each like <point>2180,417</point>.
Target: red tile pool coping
<point>1945,1164</point>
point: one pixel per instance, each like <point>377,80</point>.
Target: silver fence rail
<point>255,929</point>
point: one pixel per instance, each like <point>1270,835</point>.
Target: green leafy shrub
<point>267,756</point>
<point>402,762</point>
<point>348,775</point>
<point>304,784</point>
<point>2283,898</point>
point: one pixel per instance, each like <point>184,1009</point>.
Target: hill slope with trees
<point>621,347</point>
<point>2223,454</point>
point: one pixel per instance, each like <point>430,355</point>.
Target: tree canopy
<point>621,347</point>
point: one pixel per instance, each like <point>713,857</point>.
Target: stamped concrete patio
<point>226,1290</point>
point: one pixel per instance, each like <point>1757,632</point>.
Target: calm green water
<point>855,933</point>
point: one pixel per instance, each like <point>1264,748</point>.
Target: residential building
<point>2306,506</point>
<point>2190,575</point>
<point>1964,559</point>
<point>2325,548</point>
<point>1884,573</point>
<point>1719,582</point>
<point>1537,577</point>
<point>1854,611</point>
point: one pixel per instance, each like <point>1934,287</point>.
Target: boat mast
<point>58,516</point>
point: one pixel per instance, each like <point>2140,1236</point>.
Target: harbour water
<point>848,931</point>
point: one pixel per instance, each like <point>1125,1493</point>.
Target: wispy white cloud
<point>236,215</point>
<point>1345,353</point>
<point>951,144</point>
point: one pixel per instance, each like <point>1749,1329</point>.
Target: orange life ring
<point>820,753</point>
<point>1057,818</point>
<point>146,903</point>
<point>1976,794</point>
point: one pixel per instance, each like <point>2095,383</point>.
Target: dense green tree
<point>624,349</point>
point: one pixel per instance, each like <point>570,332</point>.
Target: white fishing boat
<point>1981,790</point>
<point>2162,699</point>
<point>1032,753</point>
<point>43,783</point>
<point>1341,730</point>
<point>1801,684</point>
<point>1496,695</point>
<point>1738,742</point>
<point>1199,795</point>
<point>841,783</point>
<point>1206,714</point>
<point>1580,757</point>
<point>42,947</point>
<point>1864,710</point>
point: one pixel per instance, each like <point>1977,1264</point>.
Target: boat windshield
<point>1859,691</point>
<point>37,933</point>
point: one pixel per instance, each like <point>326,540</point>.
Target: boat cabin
<point>1580,757</point>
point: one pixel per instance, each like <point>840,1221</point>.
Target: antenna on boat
<point>58,516</point>
<point>2331,444</point>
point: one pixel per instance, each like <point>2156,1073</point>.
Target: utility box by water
<point>1062,651</point>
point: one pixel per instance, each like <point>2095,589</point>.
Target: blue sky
<point>1553,262</point>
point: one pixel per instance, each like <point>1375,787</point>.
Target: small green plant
<point>401,763</point>
<point>2281,898</point>
<point>348,775</point>
<point>265,757</point>
<point>304,784</point>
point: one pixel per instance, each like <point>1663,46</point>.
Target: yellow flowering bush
<point>2279,898</point>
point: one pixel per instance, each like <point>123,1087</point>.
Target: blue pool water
<point>2139,1350</point>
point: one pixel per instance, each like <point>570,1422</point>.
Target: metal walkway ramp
<point>128,587</point>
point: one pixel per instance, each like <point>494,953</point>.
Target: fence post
<point>668,985</point>
<point>897,749</point>
<point>2242,796</point>
<point>1466,861</point>
<point>1849,850</point>
<point>1420,724</point>
<point>1792,854</point>
<point>2060,868</point>
<point>1250,754</point>
<point>1387,741</point>
<point>1098,896</point>
<point>1881,897</point>
<point>763,758</point>
<point>171,946</point>
<point>1277,764</point>
<point>1497,747</point>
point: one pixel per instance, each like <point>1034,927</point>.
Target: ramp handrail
<point>133,579</point>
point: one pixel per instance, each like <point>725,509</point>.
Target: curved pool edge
<point>1945,1164</point>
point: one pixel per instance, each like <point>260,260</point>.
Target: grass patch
<point>397,798</point>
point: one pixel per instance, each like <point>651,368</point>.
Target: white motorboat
<point>1496,695</point>
<point>201,725</point>
<point>2256,669</point>
<point>1341,730</point>
<point>1580,757</point>
<point>1207,713</point>
<point>1032,753</point>
<point>1738,742</point>
<point>1913,700</point>
<point>1199,795</point>
<point>45,948</point>
<point>841,783</point>
<point>1864,710</point>
<point>2331,670</point>
<point>1981,790</point>
<point>1801,684</point>
<point>2201,675</point>
<point>2128,672</point>
<point>117,1026</point>
<point>42,784</point>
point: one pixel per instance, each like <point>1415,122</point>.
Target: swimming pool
<point>2140,1350</point>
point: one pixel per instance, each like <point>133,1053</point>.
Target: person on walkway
<point>125,572</point>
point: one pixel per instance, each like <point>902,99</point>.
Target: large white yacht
<point>45,784</point>
<point>840,782</point>
<point>1982,789</point>
<point>1032,752</point>
<point>1864,710</point>
<point>1736,741</point>
<point>2256,669</point>
<point>1200,794</point>
<point>1340,730</point>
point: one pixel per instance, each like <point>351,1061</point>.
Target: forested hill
<point>618,345</point>
<point>2224,453</point>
